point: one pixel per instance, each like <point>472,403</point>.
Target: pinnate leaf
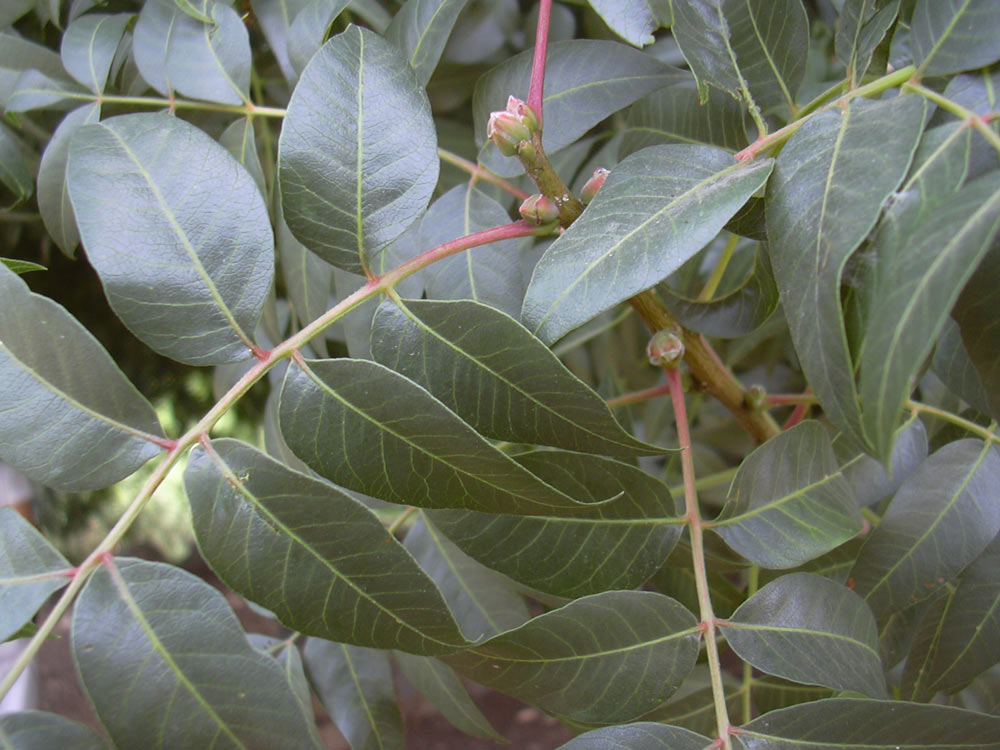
<point>177,231</point>
<point>309,28</point>
<point>89,45</point>
<point>949,36</point>
<point>357,159</point>
<point>420,29</point>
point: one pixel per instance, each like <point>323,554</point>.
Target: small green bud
<point>525,113</point>
<point>507,131</point>
<point>665,349</point>
<point>755,398</point>
<point>593,184</point>
<point>539,210</point>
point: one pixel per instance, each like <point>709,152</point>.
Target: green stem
<point>19,217</point>
<point>979,122</point>
<point>947,416</point>
<point>245,110</point>
<point>720,269</point>
<point>481,173</point>
<point>710,481</point>
<point>400,520</point>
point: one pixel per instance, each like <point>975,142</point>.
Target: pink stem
<point>537,88</point>
<point>638,396</point>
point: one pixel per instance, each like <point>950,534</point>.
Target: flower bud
<point>593,184</point>
<point>755,398</point>
<point>539,210</point>
<point>665,349</point>
<point>523,112</point>
<point>507,131</point>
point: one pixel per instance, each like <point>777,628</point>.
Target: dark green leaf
<point>656,210</point>
<point>21,266</point>
<point>616,545</point>
<point>809,629</point>
<point>37,730</point>
<point>469,355</point>
<point>481,601</point>
<point>185,255</point>
<point>789,501</point>
<point>487,274</point>
<point>640,736</point>
<point>868,478</point>
<point>632,20</point>
<point>30,570</point>
<point>256,521</point>
<point>372,430</point>
<point>854,724</point>
<point>603,658</point>
<point>772,693</point>
<point>70,419</point>
<point>308,278</point>
<point>953,35</point>
<point>439,684</point>
<point>357,159</point>
<point>157,647</point>
<point>695,711</point>
<point>89,45</point>
<point>585,81</point>
<point>960,636</point>
<point>862,26</point>
<point>829,184</point>
<point>276,17</point>
<point>675,115</point>
<point>976,316</point>
<point>678,582</point>
<point>942,517</point>
<point>420,29</point>
<point>356,688</point>
<point>954,367</point>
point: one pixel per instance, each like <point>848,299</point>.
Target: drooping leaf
<point>603,658</point>
<point>468,355</point>
<point>960,636</point>
<point>420,29</point>
<point>806,628</point>
<point>586,80</point>
<point>372,430</point>
<point>177,231</point>
<point>616,545</point>
<point>789,502</point>
<point>309,28</point>
<point>949,36</point>
<point>256,521</point>
<point>38,730</point>
<point>486,274</point>
<point>655,211</point>
<point>439,684</point>
<point>355,686</point>
<point>976,316</point>
<point>942,517</point>
<point>480,601</point>
<point>275,18</point>
<point>676,115</point>
<point>30,570</point>
<point>632,20</point>
<point>70,418</point>
<point>855,724</point>
<point>89,45</point>
<point>829,184</point>
<point>640,736</point>
<point>357,159</point>
<point>861,27</point>
<point>170,643</point>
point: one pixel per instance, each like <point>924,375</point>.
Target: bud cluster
<point>539,210</point>
<point>511,130</point>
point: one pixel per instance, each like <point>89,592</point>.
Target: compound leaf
<point>420,29</point>
<point>949,36</point>
<point>89,45</point>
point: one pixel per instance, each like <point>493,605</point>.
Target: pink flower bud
<point>755,398</point>
<point>593,184</point>
<point>539,210</point>
<point>507,131</point>
<point>526,114</point>
<point>665,349</point>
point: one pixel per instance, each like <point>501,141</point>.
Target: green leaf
<point>809,629</point>
<point>276,17</point>
<point>640,736</point>
<point>675,114</point>
<point>603,658</point>
<point>30,571</point>
<point>309,29</point>
<point>16,171</point>
<point>308,278</point>
<point>868,478</point>
<point>678,582</point>
<point>960,636</point>
<point>772,693</point>
<point>185,255</point>
<point>468,355</point>
<point>616,545</point>
<point>953,35</point>
<point>655,211</point>
<point>38,730</point>
<point>954,367</point>
<point>18,55</point>
<point>53,196</point>
<point>21,266</point>
<point>754,48</point>
<point>35,90</point>
<point>789,501</point>
<point>175,51</point>
<point>13,10</point>
<point>157,647</point>
<point>737,313</point>
<point>483,274</point>
<point>420,29</point>
<point>942,517</point>
<point>357,159</point>
<point>855,724</point>
<point>481,602</point>
<point>632,20</point>
<point>355,686</point>
<point>71,419</point>
<point>862,26</point>
<point>586,80</point>
<point>439,684</point>
<point>696,710</point>
<point>371,430</point>
<point>89,45</point>
<point>238,139</point>
<point>976,316</point>
<point>829,184</point>
<point>255,518</point>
